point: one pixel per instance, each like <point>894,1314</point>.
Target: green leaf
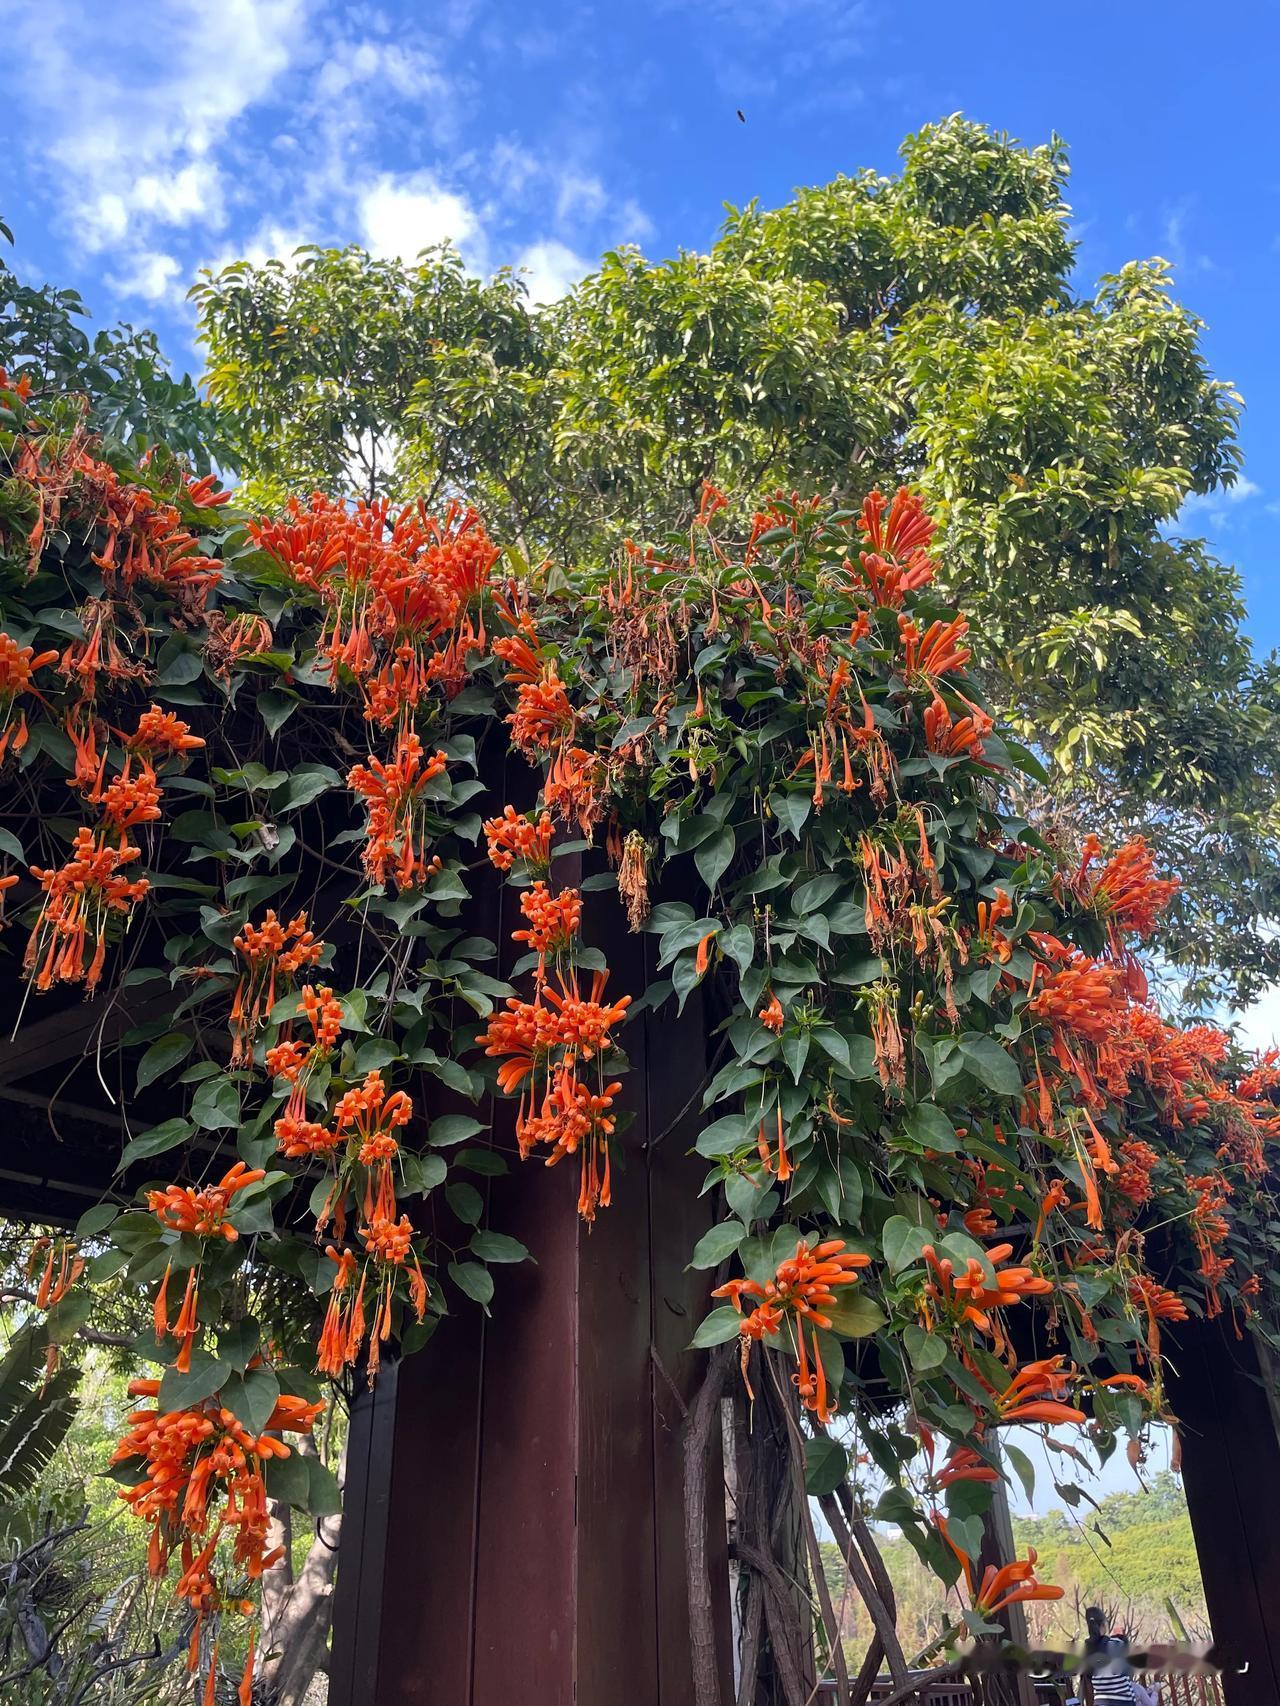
<point>482,1161</point>
<point>717,1243</point>
<point>795,1051</point>
<point>498,1247</point>
<point>841,1190</point>
<point>95,1220</point>
<point>251,1397</point>
<point>714,857</point>
<point>1023,1468</point>
<point>465,1201</point>
<point>323,1495</point>
<point>926,1350</point>
<point>854,1054</point>
<point>738,945</point>
<point>10,844</point>
<point>453,1128</point>
<point>276,709</point>
<point>473,1279</point>
<point>205,1377</point>
<point>304,784</point>
<point>718,1328</point>
<point>855,1314</point>
<point>826,1464</point>
<point>238,1343</point>
<point>163,1055</point>
<point>216,1105</point>
<point>158,1141</point>
<point>725,1136</point>
<point>902,1242</point>
<point>422,1173</point>
<point>927,1125</point>
<point>791,811</point>
<point>991,1064</point>
<point>287,1479</point>
<point>65,1319</point>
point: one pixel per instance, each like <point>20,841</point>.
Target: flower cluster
<point>402,593</point>
<point>273,954</point>
<point>802,1293</point>
<point>88,891</point>
<point>202,1479</point>
<point>396,797</point>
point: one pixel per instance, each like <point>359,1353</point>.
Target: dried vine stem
<point>700,1433</point>
<point>880,1614</point>
<point>796,1454</point>
<point>777,1611</point>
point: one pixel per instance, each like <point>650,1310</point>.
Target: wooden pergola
<point>514,1516</point>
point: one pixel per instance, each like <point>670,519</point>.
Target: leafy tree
<point>324,364</point>
<point>920,326</point>
<point>131,397</point>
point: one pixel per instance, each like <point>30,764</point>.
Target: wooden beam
<point>1231,1471</point>
<point>514,1522</point>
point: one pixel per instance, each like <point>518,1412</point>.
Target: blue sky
<point>143,139</point>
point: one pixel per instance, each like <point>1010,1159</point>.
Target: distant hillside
<point>1146,1557</point>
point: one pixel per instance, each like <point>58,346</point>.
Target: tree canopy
<point>924,327</point>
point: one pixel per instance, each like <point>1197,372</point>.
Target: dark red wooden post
<point>1231,1470</point>
<point>513,1518</point>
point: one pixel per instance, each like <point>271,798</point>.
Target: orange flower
<point>202,1212</point>
<point>937,652</point>
<point>81,897</point>
<point>573,788</point>
<point>543,715</point>
<point>201,1480</point>
<point>1126,893</point>
<point>234,637</point>
<point>952,739</point>
<point>803,1289</point>
<point>17,665</point>
<point>1007,1585</point>
<point>396,801</point>
<point>980,1222</point>
<point>553,921</point>
<point>514,836</point>
<point>970,1297</point>
<point>403,592</point>
<point>772,1016</point>
<point>273,954</point>
<point>160,734</point>
<point>1035,1394</point>
<point>62,1268</point>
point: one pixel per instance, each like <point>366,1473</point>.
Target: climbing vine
<point>258,770</point>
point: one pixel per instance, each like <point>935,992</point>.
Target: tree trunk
<point>296,1620</point>
<point>295,1644</point>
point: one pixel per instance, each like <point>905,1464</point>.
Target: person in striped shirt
<point>1108,1679</point>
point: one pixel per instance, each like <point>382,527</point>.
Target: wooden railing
<point>1173,1688</point>
<point>1176,1689</point>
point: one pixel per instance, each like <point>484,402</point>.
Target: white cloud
<point>579,196</point>
<point>1212,509</point>
<point>151,275</point>
<point>407,71</point>
<point>637,226</point>
<point>401,215</point>
<point>132,130</point>
<point>552,269</point>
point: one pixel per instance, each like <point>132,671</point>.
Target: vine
<point>943,1104</point>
